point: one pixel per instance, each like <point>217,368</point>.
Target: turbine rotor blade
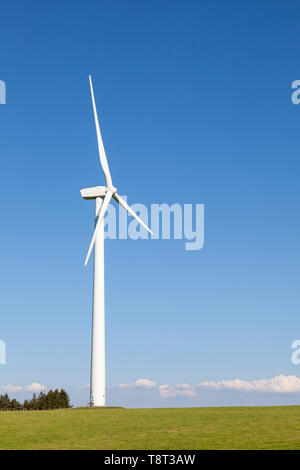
<point>130,211</point>
<point>102,212</point>
<point>102,154</point>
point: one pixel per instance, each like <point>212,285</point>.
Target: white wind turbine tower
<point>102,196</point>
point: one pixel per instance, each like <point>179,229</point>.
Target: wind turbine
<point>102,196</point>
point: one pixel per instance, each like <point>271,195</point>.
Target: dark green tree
<point>4,402</point>
<point>15,405</point>
<point>64,399</point>
<point>26,405</point>
<point>42,401</point>
<point>33,402</point>
<point>57,403</point>
<point>50,401</point>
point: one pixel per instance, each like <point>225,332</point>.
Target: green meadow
<point>156,429</point>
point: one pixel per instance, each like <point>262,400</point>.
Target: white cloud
<point>145,383</point>
<point>183,390</point>
<point>10,388</point>
<point>278,384</point>
<point>140,383</point>
<point>35,387</point>
<point>129,385</point>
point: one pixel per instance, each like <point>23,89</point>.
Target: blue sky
<point>194,100</point>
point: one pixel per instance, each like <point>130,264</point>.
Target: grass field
<point>166,428</point>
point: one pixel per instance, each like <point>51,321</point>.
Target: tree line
<point>52,400</point>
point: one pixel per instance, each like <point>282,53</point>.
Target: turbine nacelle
<point>97,191</point>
